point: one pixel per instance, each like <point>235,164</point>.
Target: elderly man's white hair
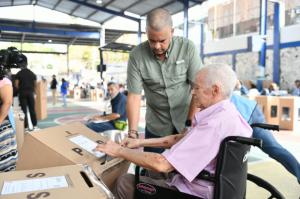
<point>222,75</point>
<point>158,19</point>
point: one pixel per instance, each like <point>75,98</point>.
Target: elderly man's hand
<point>110,148</point>
<point>131,143</point>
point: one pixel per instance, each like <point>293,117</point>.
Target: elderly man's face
<point>113,90</point>
<point>202,94</point>
<point>159,41</point>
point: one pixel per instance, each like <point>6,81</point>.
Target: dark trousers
<point>27,100</point>
<point>148,135</point>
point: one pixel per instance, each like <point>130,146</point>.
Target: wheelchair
<point>230,178</point>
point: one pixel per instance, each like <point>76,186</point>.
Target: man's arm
<point>163,142</point>
<point>17,82</point>
<point>152,161</point>
<point>112,116</point>
<point>6,93</point>
<point>133,111</point>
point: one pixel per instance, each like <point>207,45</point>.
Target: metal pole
<point>186,18</point>
<point>263,34</point>
<point>234,18</point>
<point>276,44</point>
<point>139,31</point>
<point>68,50</point>
<point>233,61</point>
<point>201,41</point>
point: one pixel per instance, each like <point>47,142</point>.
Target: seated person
<point>115,120</point>
<point>252,92</point>
<point>188,153</point>
<point>253,114</point>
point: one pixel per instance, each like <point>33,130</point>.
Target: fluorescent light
<point>131,14</point>
<point>98,1</point>
<point>50,41</point>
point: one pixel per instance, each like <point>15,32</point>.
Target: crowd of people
<point>187,111</point>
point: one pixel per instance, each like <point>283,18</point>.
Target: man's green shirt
<point>167,84</point>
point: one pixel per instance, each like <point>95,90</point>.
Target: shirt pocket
<point>177,70</point>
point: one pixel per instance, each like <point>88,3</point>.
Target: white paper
<point>100,121</point>
<point>19,186</point>
<point>86,144</point>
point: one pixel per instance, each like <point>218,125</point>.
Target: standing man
<point>26,84</point>
<point>53,86</point>
<point>164,66</point>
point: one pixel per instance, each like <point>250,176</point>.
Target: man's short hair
<point>111,83</point>
<point>220,74</point>
<point>23,61</point>
<point>158,19</point>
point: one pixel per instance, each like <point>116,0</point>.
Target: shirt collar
<point>206,113</point>
<point>113,97</point>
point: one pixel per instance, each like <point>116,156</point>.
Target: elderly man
<point>164,66</point>
<point>193,151</point>
<point>115,120</point>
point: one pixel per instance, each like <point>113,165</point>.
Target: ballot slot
<point>86,179</point>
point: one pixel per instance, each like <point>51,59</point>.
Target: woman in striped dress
<point>8,144</point>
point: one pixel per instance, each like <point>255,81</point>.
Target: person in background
<point>26,84</point>
<point>252,92</point>
<point>253,114</point>
<point>115,120</point>
<point>8,144</point>
<point>296,90</point>
<point>164,67</point>
<point>64,91</point>
<point>193,151</point>
<point>53,86</point>
<point>240,89</point>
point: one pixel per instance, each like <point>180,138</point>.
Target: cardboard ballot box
<point>69,144</point>
<point>289,112</point>
<point>41,100</point>
<point>93,95</point>
<point>73,181</point>
<point>270,108</point>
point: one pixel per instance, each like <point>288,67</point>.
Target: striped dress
<point>8,141</point>
<point>8,147</point>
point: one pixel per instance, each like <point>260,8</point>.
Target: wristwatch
<point>133,134</point>
<point>188,123</point>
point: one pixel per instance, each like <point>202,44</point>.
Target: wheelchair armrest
<point>265,126</point>
<point>245,140</point>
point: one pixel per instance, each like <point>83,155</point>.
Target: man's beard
<point>159,52</point>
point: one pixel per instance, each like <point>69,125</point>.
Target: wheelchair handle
<point>265,126</point>
<point>245,140</point>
